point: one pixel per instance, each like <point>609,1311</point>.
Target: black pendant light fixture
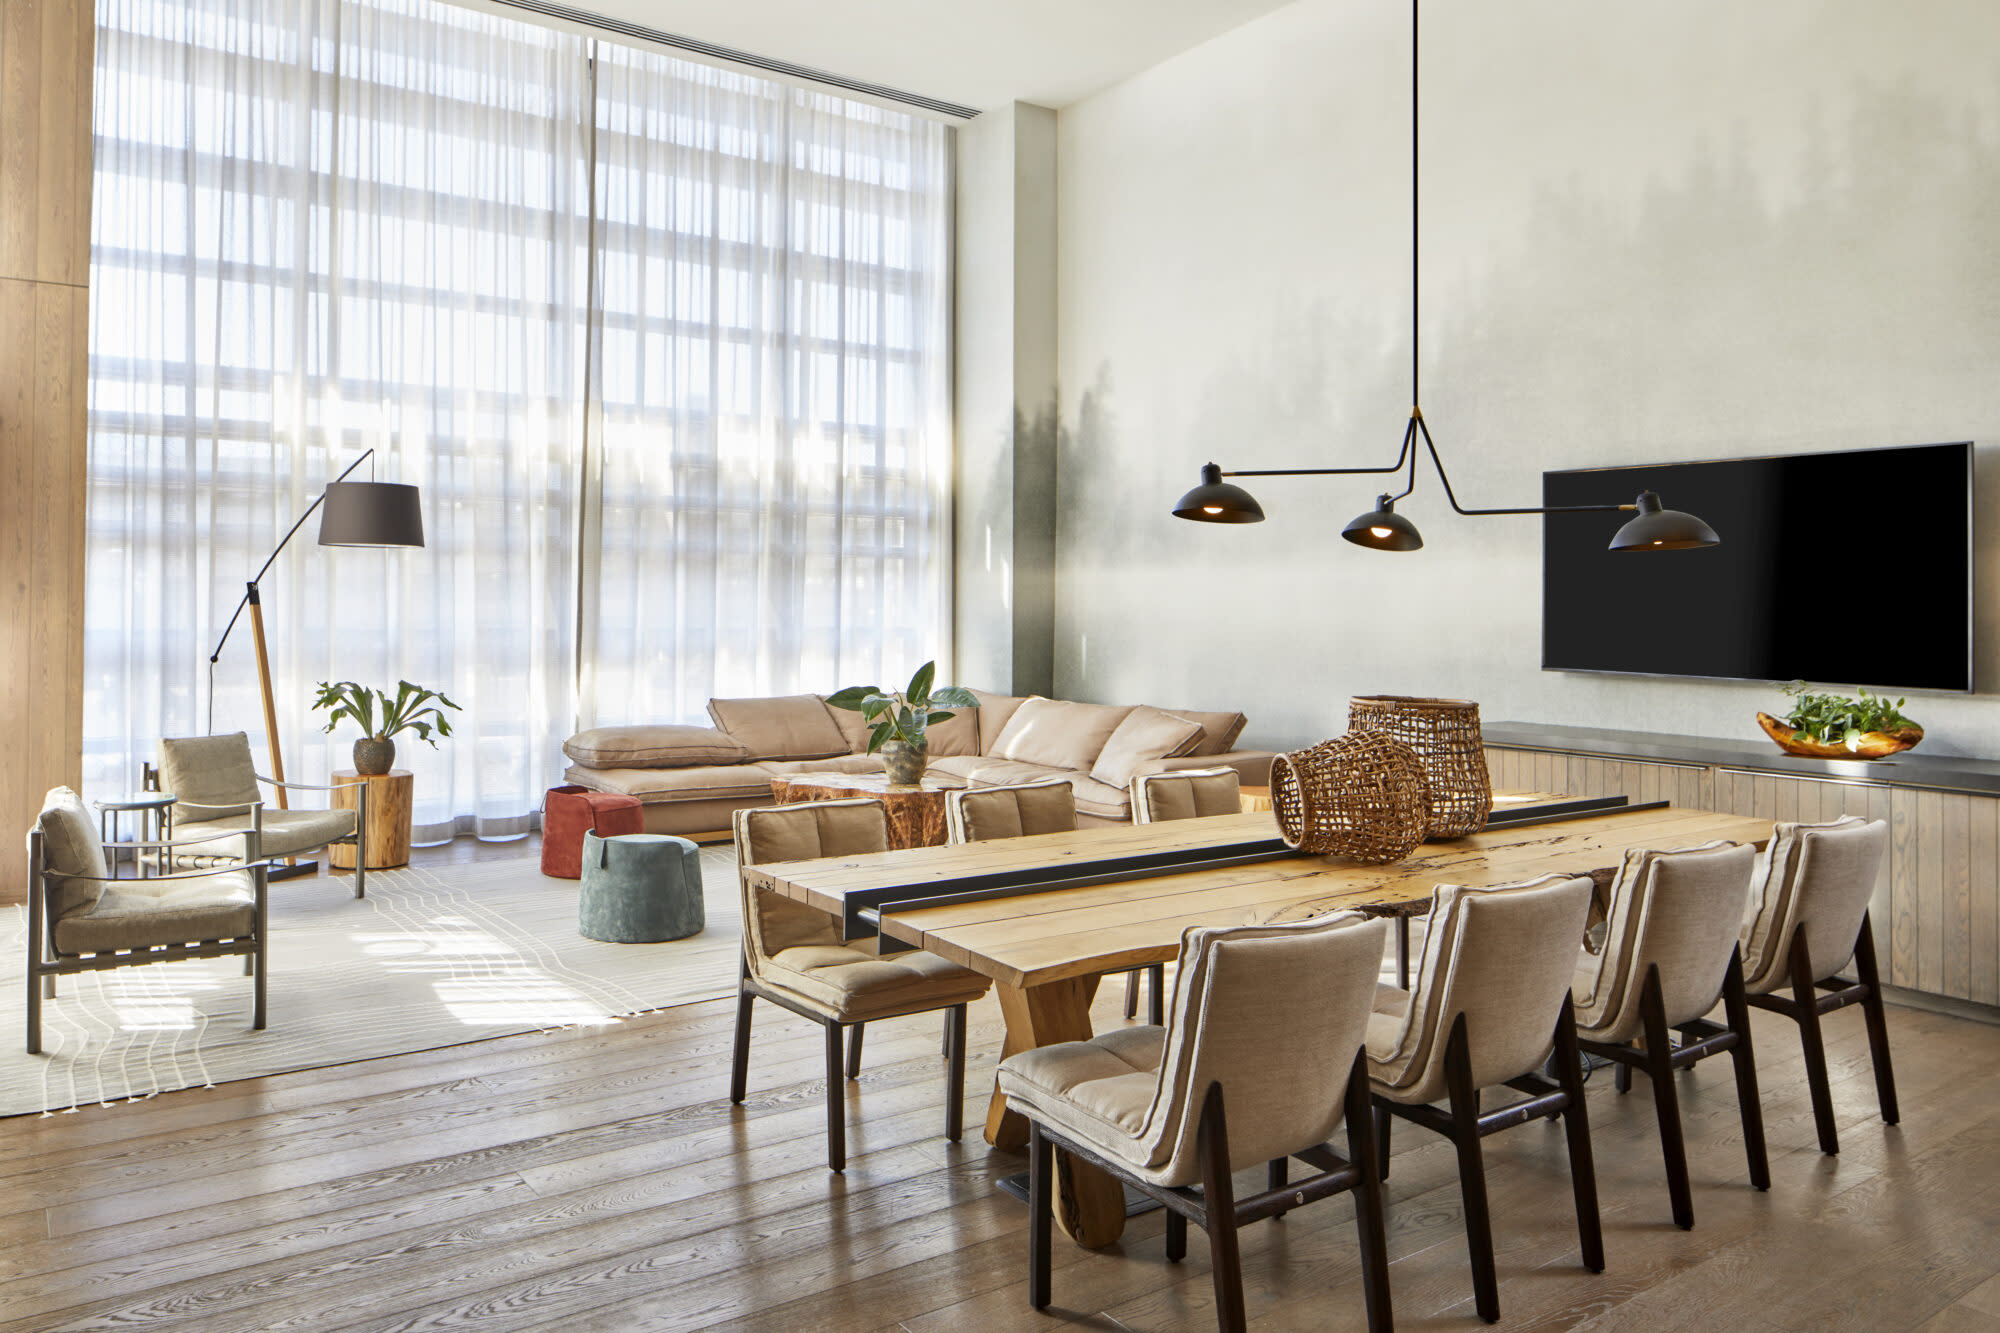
<point>1382,529</point>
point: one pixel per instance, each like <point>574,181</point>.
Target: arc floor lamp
<point>357,513</point>
<point>1654,528</point>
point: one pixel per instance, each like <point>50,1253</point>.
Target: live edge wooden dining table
<point>1045,916</point>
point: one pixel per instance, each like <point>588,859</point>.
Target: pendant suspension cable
<point>1416,249</point>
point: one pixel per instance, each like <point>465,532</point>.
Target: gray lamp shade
<point>371,513</point>
<point>1657,529</point>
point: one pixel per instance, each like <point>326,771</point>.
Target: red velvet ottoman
<point>570,812</point>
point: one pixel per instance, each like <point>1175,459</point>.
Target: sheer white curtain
<point>771,450</point>
<point>322,227</point>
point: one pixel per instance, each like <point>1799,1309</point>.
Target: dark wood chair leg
<point>1666,1100</point>
<point>954,1080</point>
<point>1576,1128</point>
<point>1132,994</point>
<point>836,1103</point>
<point>1805,997</point>
<point>1743,1057</point>
<point>1372,1234</point>
<point>1878,1027</point>
<point>854,1049</point>
<point>1041,1216</point>
<point>739,1065</point>
<point>1176,1237</point>
<point>1219,1201</point>
<point>1276,1173</point>
<point>1382,1122</point>
<point>1621,1077</point>
<point>1471,1170</point>
<point>1156,995</point>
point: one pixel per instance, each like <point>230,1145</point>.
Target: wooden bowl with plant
<point>1834,726</point>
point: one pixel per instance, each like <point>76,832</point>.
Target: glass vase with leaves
<point>382,718</point>
<point>899,719</point>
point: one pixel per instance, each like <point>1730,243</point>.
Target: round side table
<point>389,799</point>
<point>154,810</point>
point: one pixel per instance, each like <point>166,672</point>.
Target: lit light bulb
<point>1379,532</point>
<point>1211,509</point>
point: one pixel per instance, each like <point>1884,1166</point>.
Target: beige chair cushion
<point>1817,875</point>
<point>70,847</point>
<point>806,831</point>
<point>995,712</point>
<point>654,747</point>
<point>141,913</point>
<point>854,985</point>
<point>1274,1014</point>
<point>676,784</point>
<point>1158,797</point>
<point>1058,733</point>
<point>795,726</point>
<point>209,771</point>
<point>286,833</point>
<point>1504,957</point>
<point>1677,911</point>
<point>1218,730</point>
<point>977,814</point>
<point>1144,734</point>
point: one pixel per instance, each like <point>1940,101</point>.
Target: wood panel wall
<point>1937,903</point>
<point>46,49</point>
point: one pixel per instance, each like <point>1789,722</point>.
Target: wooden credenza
<point>1937,904</point>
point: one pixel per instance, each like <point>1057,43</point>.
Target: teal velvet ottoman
<point>639,888</point>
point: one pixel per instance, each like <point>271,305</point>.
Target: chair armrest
<point>158,879</point>
<point>1253,767</point>
<point>170,846</point>
<point>309,786</point>
<point>230,805</point>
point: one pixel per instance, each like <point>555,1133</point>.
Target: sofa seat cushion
<point>1092,797</point>
<point>1145,734</point>
<point>140,913</point>
<point>654,747</point>
<point>286,832</point>
<point>709,782</point>
<point>840,763</point>
<point>1098,1090</point>
<point>1059,733</point>
<point>795,726</point>
<point>853,984</point>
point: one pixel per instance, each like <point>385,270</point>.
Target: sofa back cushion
<point>1218,730</point>
<point>1145,734</point>
<point>957,735</point>
<point>854,728</point>
<point>1058,733</point>
<point>654,747</point>
<point>995,711</point>
<point>793,726</point>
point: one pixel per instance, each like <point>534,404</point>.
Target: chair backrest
<point>210,771</point>
<point>1679,911</point>
<point>1503,957</point>
<point>1275,1015</point>
<point>975,814</point>
<point>772,922</point>
<point>69,846</point>
<point>1158,797</point>
<point>1816,875</point>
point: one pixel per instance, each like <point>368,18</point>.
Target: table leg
<point>1090,1206</point>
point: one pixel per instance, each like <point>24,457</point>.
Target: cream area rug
<point>433,956</point>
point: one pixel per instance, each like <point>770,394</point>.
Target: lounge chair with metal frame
<point>1669,956</point>
<point>83,919</point>
<point>1490,1003</point>
<point>794,956</point>
<point>215,786</point>
<point>1262,1061</point>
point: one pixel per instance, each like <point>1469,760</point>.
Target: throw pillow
<point>1058,733</point>
<point>794,726</point>
<point>1218,730</point>
<point>1145,734</point>
<point>654,747</point>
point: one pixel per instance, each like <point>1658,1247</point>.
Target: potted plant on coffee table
<point>900,719</point>
<point>381,718</point>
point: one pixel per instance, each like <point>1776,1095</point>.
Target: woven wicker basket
<point>1445,735</point>
<point>1362,795</point>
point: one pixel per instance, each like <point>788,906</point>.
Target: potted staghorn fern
<point>381,718</point>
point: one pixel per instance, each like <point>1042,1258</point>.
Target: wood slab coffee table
<point>916,814</point>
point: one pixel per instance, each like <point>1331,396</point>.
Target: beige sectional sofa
<point>692,779</point>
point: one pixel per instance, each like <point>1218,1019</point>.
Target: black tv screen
<point>1849,568</point>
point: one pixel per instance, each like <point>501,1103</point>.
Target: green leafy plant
<point>381,717</point>
<point>1835,719</point>
<point>906,714</point>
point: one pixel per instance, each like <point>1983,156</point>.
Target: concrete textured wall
<point>1656,230</point>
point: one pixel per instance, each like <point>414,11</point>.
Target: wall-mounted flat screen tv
<point>1850,568</point>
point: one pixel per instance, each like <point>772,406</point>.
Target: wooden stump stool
<point>390,796</point>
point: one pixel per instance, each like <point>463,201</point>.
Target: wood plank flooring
<point>601,1180</point>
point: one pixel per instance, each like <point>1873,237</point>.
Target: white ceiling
<point>1050,52</point>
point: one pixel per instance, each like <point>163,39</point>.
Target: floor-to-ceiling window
<point>664,345</point>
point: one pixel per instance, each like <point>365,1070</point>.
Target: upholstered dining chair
<point>1262,1061</point>
<point>975,814</point>
<point>1191,794</point>
<point>83,919</point>
<point>1807,919</point>
<point>216,790</point>
<point>1490,1000</point>
<point>794,957</point>
<point>1669,956</point>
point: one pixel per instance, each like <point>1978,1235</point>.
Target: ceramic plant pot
<point>904,762</point>
<point>374,754</point>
